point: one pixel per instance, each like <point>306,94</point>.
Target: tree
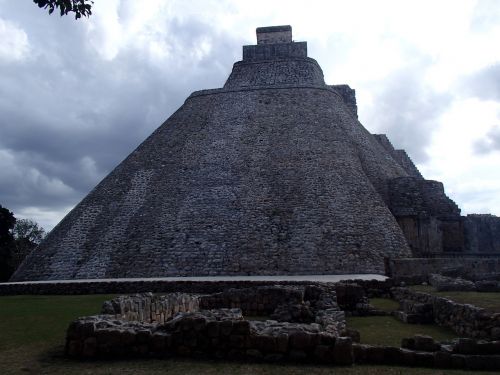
<point>7,244</point>
<point>18,238</point>
<point>28,230</point>
<point>27,235</point>
<point>79,7</point>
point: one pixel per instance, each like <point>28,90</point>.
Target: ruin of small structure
<point>304,323</point>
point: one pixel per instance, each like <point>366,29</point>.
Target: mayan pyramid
<point>272,174</point>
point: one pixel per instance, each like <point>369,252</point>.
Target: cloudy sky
<point>76,97</point>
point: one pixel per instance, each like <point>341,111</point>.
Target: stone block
<point>281,341</point>
<point>254,354</point>
<point>274,357</point>
<point>199,323</point>
<point>301,340</point>
<point>241,327</point>
<point>353,334</point>
<point>375,354</point>
<point>342,353</point>
<point>425,343</point>
<point>408,343</point>
<point>482,362</point>
<point>159,342</point>
<point>392,355</point>
<point>408,357</point>
<point>465,346</point>
<point>442,360</point>
<point>495,333</point>
<point>360,353</point>
<point>326,339</point>
<point>143,336</point>
<point>89,347</point>
<point>225,327</point>
<point>237,341</point>
<point>213,329</point>
<point>264,343</point>
<point>73,348</point>
<point>297,355</point>
<point>236,354</point>
<point>323,353</point>
<point>423,359</point>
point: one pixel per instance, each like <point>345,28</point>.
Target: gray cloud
<point>406,109</point>
<point>484,84</point>
<point>490,143</point>
<point>69,116</point>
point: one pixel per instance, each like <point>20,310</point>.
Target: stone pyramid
<point>272,174</point>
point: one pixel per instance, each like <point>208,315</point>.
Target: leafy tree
<point>29,230</point>
<point>79,7</point>
<point>17,239</point>
<point>27,235</point>
<point>7,244</point>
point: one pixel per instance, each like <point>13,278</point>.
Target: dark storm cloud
<point>490,143</point>
<point>68,116</point>
<point>407,110</point>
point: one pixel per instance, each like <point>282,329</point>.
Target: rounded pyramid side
<point>255,181</point>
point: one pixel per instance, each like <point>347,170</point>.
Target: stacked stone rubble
<point>466,320</point>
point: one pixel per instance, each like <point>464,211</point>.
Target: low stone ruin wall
<point>282,303</point>
<point>444,283</point>
<point>209,334</point>
<point>150,308</point>
<point>255,301</point>
<point>423,351</point>
<point>418,270</point>
<point>174,324</point>
<point>464,319</point>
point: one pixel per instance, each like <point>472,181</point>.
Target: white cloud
<point>14,44</point>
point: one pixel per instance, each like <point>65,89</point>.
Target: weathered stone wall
<point>399,155</point>
<point>150,308</point>
<point>415,196</point>
<point>482,234</point>
<point>173,324</point>
<point>349,96</point>
<point>256,202</point>
<point>423,351</point>
<point>255,301</point>
<point>274,34</point>
<point>429,219</point>
<point>213,334</point>
<point>263,52</point>
<point>294,72</point>
<point>467,320</point>
<point>417,270</point>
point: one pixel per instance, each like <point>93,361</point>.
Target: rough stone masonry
<point>272,174</point>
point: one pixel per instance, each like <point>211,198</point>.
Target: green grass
<point>32,331</point>
<point>387,330</point>
<point>489,301</point>
<point>34,319</point>
<point>384,304</point>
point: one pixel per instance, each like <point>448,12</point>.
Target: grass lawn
<point>32,330</point>
<point>384,304</point>
<point>387,330</point>
<point>489,301</point>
